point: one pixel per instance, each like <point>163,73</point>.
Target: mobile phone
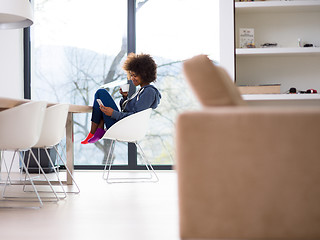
<point>100,102</point>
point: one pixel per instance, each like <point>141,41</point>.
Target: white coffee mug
<point>125,87</point>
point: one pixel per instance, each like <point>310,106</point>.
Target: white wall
<point>11,68</point>
<point>11,63</point>
<point>227,36</point>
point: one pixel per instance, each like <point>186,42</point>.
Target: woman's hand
<point>106,110</point>
<point>124,94</point>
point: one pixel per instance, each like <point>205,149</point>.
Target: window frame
<point>131,38</point>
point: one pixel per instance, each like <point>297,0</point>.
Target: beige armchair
<point>245,172</point>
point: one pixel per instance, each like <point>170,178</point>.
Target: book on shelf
<point>260,89</point>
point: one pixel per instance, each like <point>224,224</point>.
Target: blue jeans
<point>107,101</point>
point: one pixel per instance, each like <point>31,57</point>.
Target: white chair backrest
<point>53,128</point>
<point>130,129</point>
<point>20,127</point>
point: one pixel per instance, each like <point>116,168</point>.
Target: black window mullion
<point>131,38</point>
<point>131,28</point>
<point>27,63</point>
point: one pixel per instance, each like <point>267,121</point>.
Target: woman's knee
<point>106,98</point>
<point>101,92</point>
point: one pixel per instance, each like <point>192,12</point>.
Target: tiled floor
<point>126,211</point>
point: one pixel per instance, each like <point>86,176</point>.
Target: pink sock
<point>97,135</point>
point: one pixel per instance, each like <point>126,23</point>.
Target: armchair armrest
<point>247,172</point>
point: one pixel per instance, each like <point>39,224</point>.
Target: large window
<point>79,45</point>
<point>172,31</point>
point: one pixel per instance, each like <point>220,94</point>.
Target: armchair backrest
<point>211,84</point>
<point>53,128</point>
<point>20,127</point>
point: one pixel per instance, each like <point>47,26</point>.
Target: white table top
<point>6,103</point>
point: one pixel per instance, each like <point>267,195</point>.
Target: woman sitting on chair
<point>142,70</point>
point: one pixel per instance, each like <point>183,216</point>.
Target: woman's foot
<point>97,135</point>
<point>90,135</point>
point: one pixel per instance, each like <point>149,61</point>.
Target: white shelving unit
<point>281,22</point>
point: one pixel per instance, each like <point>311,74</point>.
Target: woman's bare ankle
<point>94,127</point>
<point>101,124</point>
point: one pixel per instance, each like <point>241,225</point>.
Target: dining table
<point>7,103</point>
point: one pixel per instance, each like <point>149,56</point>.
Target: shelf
<point>277,51</point>
<point>277,6</point>
<point>303,100</point>
<point>281,96</point>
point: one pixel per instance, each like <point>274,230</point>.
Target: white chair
<point>20,129</point>
<point>53,131</point>
<point>130,129</point>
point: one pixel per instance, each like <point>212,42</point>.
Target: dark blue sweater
<point>147,97</point>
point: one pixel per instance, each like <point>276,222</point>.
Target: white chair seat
<point>129,129</point>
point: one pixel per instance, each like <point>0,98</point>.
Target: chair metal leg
<point>25,178</point>
<point>153,176</point>
<point>56,173</point>
<point>8,177</point>
<point>33,186</point>
<point>30,179</point>
<point>148,164</point>
<point>5,164</point>
<point>109,160</point>
<point>41,171</point>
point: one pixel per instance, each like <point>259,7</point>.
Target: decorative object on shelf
<point>246,37</point>
<point>311,91</point>
<point>294,90</point>
<point>308,45</point>
<point>299,42</point>
<point>266,45</point>
<point>250,45</point>
<point>15,14</point>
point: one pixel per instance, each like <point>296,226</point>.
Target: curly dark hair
<point>143,65</point>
